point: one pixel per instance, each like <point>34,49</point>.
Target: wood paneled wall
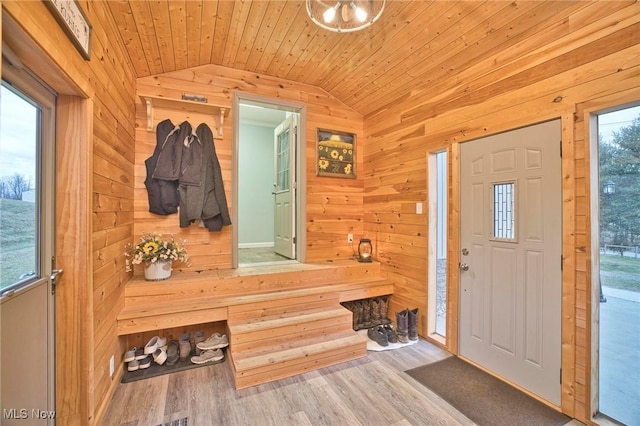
<point>334,205</point>
<point>97,171</point>
<point>593,54</point>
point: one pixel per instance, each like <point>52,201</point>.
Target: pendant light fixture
<point>343,16</point>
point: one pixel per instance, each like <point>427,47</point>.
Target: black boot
<point>413,324</point>
<point>402,329</point>
<point>384,306</point>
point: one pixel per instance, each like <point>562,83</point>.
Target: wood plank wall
<point>541,74</point>
<point>107,81</point>
<point>334,205</point>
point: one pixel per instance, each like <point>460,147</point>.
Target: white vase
<point>157,271</point>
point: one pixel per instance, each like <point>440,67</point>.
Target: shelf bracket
<point>149,104</point>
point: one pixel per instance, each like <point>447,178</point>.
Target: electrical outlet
<point>349,238</point>
<point>112,365</point>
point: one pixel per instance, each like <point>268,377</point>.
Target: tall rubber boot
<point>413,324</point>
<point>402,328</point>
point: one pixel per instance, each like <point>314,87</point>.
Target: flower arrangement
<point>152,248</point>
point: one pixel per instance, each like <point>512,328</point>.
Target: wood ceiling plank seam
<point>436,21</point>
<point>162,27</point>
<point>436,74</point>
<point>284,55</point>
<point>193,14</point>
<point>442,36</point>
<point>223,25</point>
<point>254,22</point>
<point>241,11</point>
<point>298,49</point>
<point>474,75</point>
<point>367,44</point>
<point>592,75</point>
<point>315,43</point>
<point>554,40</point>
<point>148,37</point>
<point>208,30</point>
<point>178,26</point>
<point>278,35</point>
<point>271,17</point>
<point>123,17</point>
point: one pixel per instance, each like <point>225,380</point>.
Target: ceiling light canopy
<point>343,16</point>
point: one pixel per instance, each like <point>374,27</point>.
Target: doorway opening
<point>618,264</point>
<point>268,182</point>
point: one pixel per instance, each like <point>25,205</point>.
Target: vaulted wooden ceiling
<point>415,46</point>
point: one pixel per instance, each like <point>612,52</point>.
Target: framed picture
<point>336,154</point>
<point>74,22</point>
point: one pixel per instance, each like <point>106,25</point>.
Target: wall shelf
<point>153,102</point>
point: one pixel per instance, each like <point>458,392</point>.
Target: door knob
<point>463,267</point>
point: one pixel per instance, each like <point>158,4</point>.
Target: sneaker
<point>160,356</point>
<point>208,356</point>
<point>133,365</point>
<point>153,344</point>
<point>216,341</point>
<point>146,362</point>
<point>378,335</point>
<point>130,355</point>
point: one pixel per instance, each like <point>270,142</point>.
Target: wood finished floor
<point>369,391</point>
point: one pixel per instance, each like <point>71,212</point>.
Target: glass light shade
<point>343,16</point>
<point>365,249</point>
<point>609,187</point>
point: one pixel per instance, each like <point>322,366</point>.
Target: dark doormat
<point>158,370</point>
<point>483,398</point>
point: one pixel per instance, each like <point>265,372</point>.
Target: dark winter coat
<point>162,194</point>
<point>208,201</point>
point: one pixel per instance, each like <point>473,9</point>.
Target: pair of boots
<point>368,313</point>
<point>407,325</point>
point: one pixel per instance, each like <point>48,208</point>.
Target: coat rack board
<point>153,102</point>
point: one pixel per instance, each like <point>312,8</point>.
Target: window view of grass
<point>17,240</point>
<point>621,272</point>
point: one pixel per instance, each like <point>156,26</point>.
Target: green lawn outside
<point>17,240</point>
<point>620,272</point>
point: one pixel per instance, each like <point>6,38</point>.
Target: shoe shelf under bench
<point>189,299</point>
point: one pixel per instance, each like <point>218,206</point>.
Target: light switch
<point>418,208</point>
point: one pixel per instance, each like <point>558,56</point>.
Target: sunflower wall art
<point>336,154</point>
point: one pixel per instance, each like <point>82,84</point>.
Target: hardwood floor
<point>369,391</point>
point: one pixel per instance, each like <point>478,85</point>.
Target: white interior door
<point>511,242</point>
<point>284,188</point>
<point>27,147</point>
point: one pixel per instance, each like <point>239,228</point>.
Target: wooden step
<point>296,357</point>
<point>292,323</point>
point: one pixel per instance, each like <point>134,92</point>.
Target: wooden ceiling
<point>415,46</point>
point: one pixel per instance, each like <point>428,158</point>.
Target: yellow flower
<point>334,154</point>
<point>323,164</point>
<point>341,158</point>
<point>347,169</point>
<point>150,247</point>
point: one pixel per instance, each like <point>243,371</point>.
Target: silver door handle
<point>463,266</point>
<point>55,273</point>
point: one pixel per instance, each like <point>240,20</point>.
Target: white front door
<point>511,243</point>
<point>27,154</point>
<point>284,187</point>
